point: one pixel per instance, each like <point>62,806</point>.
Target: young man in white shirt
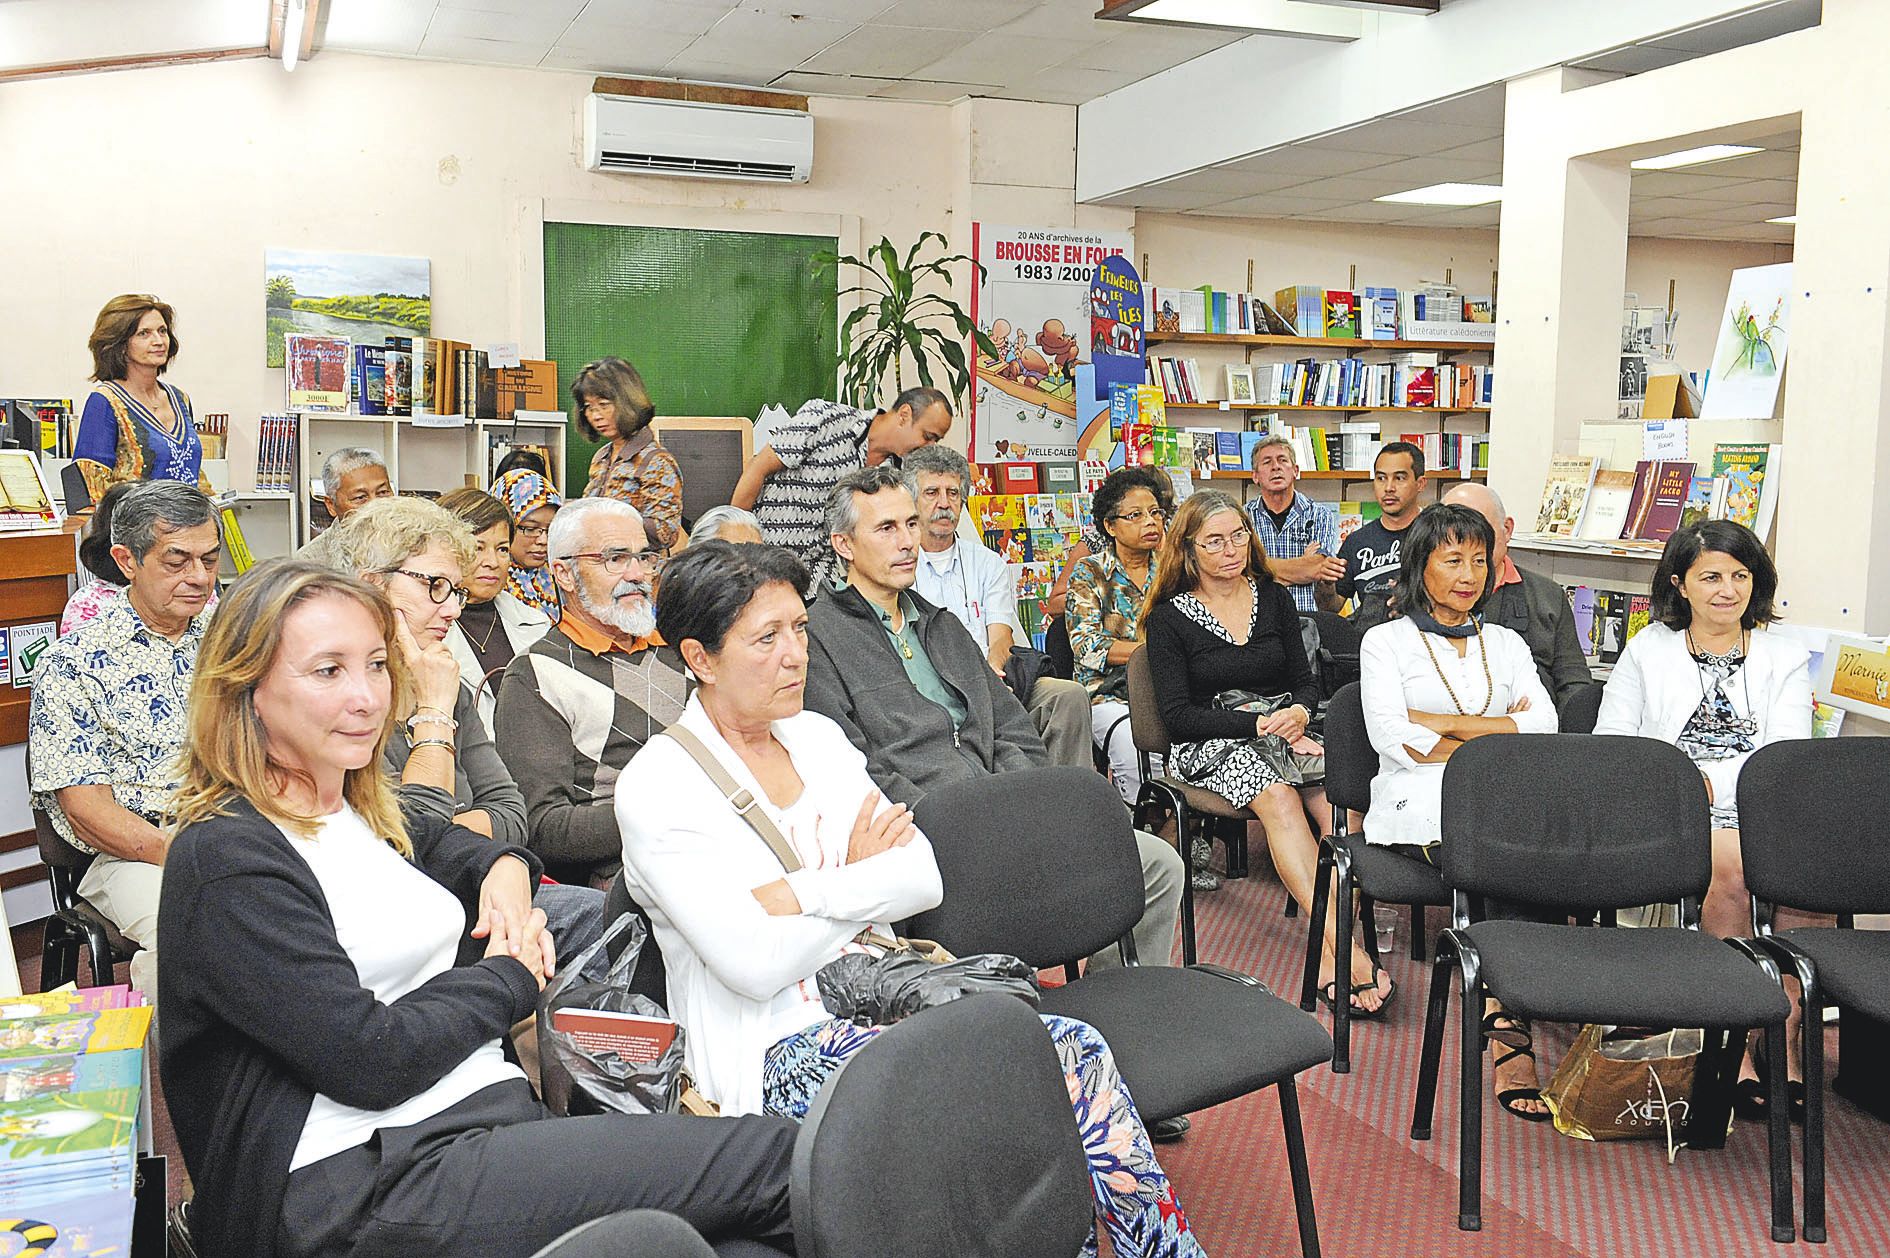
<point>969,580</point>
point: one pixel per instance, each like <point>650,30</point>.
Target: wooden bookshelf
<point>1359,474</point>
<point>1331,410</point>
<point>1307,342</point>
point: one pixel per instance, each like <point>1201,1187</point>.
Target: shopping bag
<point>603,1048</point>
<point>1625,1083</point>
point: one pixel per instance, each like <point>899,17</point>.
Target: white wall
<point>175,180</point>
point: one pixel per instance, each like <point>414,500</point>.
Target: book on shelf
<point>1352,515</point>
<point>1304,306</point>
<point>317,371</point>
<point>1122,406</point>
<point>1660,493</point>
<point>1432,302</point>
<point>1609,497</point>
<point>399,381</point>
<point>530,386</point>
<point>1378,314</point>
<point>276,440</point>
<point>370,379</point>
<point>1607,620</point>
<point>1204,444</point>
<point>27,500</point>
<point>235,543</point>
<point>57,425</point>
<point>1750,473</point>
<point>1479,310</point>
<point>1565,495</point>
<point>1704,500</point>
<point>1341,314</point>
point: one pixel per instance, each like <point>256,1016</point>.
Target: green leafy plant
<point>896,322</point>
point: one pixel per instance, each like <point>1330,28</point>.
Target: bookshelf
<point>1256,340</point>
<point>419,456</point>
<point>1209,407</point>
<point>1356,474</point>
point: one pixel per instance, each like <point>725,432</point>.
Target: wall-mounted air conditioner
<point>694,140</point>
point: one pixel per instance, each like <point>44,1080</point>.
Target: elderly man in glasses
<point>574,708</point>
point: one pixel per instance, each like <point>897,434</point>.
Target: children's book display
<point>1032,516</point>
<point>1592,507</point>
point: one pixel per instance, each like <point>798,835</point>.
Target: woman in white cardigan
<point>743,939</point>
<point>1707,676</point>
<point>1431,680</point>
<point>495,624</point>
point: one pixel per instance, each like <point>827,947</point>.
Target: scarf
<point>1428,624</point>
<point>524,491</point>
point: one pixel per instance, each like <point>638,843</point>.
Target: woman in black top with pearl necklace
<point>1217,620</point>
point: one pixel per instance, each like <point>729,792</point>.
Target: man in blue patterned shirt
<point>109,705</point>
<point>1301,536</point>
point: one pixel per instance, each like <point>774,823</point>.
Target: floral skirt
<point>1134,1199</point>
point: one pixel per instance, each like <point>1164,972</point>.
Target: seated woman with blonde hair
<point>337,980</point>
<point>743,937</point>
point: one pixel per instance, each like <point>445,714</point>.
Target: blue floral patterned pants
<point>1134,1199</point>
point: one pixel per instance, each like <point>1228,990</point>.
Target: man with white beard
<point>574,708</point>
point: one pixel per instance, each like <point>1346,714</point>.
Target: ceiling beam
<point>142,61</point>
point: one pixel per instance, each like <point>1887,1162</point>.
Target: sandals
<point>1502,1027</point>
<point>1511,1099</point>
<point>1329,995</point>
<point>1751,1102</point>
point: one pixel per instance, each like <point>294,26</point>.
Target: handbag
<point>1297,763</point>
<point>1022,670</point>
<point>1621,1083</point>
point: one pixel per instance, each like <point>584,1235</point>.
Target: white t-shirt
<point>400,928</point>
<point>971,582</point>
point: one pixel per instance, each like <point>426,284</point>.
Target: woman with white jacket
<point>1706,676</point>
<point>742,938</point>
<point>495,624</point>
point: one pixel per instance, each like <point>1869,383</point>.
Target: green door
<point>717,322</point>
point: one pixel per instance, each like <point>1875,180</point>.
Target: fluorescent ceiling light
<point>1695,157</point>
<point>1790,220</point>
<point>1449,194</point>
<point>1281,17</point>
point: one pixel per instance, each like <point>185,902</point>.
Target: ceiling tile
<point>1481,108</point>
<point>1420,172</point>
<point>684,16</point>
<point>1151,49</point>
<point>829,84</point>
<point>837,10</point>
<point>1766,165</point>
<point>925,89</point>
<point>1364,185</point>
<point>1752,190</point>
<point>1305,160</point>
<point>888,52</point>
<point>996,59</point>
<point>1741,211</point>
<point>1660,207</point>
<point>1364,212</point>
<point>1490,152</point>
<point>536,25</point>
<point>481,51</point>
<point>701,70</point>
<point>623,46</point>
<point>1461,216</point>
<point>1087,85</point>
<point>562,10</point>
<point>1227,182</point>
<point>1072,21</point>
<point>963,15</point>
<point>1675,183</point>
<point>753,35</point>
<point>1275,203</point>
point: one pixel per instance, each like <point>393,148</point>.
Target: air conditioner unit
<point>697,140</point>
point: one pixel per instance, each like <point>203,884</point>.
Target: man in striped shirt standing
<point>788,481</point>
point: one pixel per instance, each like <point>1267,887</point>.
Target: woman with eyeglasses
<point>495,624</point>
<point>531,501</point>
<point>612,405</point>
<point>439,753</point>
<point>1104,613</point>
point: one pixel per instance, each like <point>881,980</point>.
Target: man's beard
<point>637,622</point>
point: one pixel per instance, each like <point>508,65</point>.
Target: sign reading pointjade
<point>1033,301</point>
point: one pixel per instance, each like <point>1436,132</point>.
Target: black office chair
<point>74,921</point>
<point>1379,874</point>
<point>1580,709</point>
<point>1191,804</point>
<point>1810,843</point>
<point>950,1134</point>
<point>638,1233</point>
<point>1053,884</point>
<point>651,977</point>
<point>1538,818</point>
<point>1335,662</point>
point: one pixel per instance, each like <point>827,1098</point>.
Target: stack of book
<point>1607,620</point>
<point>412,376</point>
<point>275,454</point>
<point>1032,515</point>
<point>1369,313</point>
<point>71,1076</point>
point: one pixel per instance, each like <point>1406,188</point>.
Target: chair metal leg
<point>101,952</point>
<point>1713,1073</point>
<point>1429,1062</point>
<point>59,956</point>
<point>1316,928</point>
<point>1779,1135</point>
<point>1812,1033</point>
<point>1342,919</point>
<point>1368,926</point>
<point>1296,1166</point>
<point>1470,1099</point>
<point>1418,942</point>
<point>1185,841</point>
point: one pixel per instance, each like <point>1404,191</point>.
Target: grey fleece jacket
<point>855,676</point>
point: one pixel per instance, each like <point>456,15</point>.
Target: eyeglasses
<point>439,589</point>
<point>1136,517</point>
<point>531,530</point>
<point>1221,545</point>
<point>616,559</point>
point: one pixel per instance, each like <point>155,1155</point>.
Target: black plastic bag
<point>879,991</point>
<point>578,1080</point>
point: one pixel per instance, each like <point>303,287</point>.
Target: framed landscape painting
<point>365,297</point>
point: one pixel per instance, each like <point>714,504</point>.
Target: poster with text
<point>1754,331</point>
<point>1033,302</point>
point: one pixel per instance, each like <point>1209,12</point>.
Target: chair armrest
<point>1232,976</point>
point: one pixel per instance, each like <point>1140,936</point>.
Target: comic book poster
<point>1033,301</point>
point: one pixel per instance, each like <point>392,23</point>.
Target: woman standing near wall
<point>613,406</point>
<point>135,426</point>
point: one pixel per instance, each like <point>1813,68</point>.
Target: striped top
<point>819,445</point>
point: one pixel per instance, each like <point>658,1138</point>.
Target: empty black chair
<point>1042,864</point>
<point>1579,711</point>
<point>950,1134</point>
<point>1379,874</point>
<point>1191,804</point>
<point>1594,823</point>
<point>1336,661</point>
<point>631,1234</point>
<point>1056,645</point>
<point>74,921</point>
<point>1812,841</point>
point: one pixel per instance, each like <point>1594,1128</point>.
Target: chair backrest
<point>651,976</point>
<point>643,1233</point>
<point>1338,634</point>
<point>1056,645</point>
<point>1038,863</point>
<point>1811,835</point>
<point>1590,821</point>
<point>1580,710</point>
<point>949,1136</point>
<point>1351,760</point>
<point>1145,713</point>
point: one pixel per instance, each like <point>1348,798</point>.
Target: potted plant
<point>897,324</point>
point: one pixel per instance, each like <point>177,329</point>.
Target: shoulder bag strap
<point>738,796</point>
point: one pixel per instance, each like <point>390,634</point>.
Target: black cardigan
<point>1191,665</point>
<point>263,1009</point>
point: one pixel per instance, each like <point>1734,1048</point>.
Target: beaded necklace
<point>1489,683</point>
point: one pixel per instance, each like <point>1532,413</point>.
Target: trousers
<point>126,892</point>
<point>1060,710</point>
<point>1162,875</point>
<point>496,1174</point>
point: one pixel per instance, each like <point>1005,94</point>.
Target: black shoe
<point>178,1229</point>
<point>1169,1130</point>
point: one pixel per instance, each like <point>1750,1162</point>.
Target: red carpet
<point>1379,1192</point>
